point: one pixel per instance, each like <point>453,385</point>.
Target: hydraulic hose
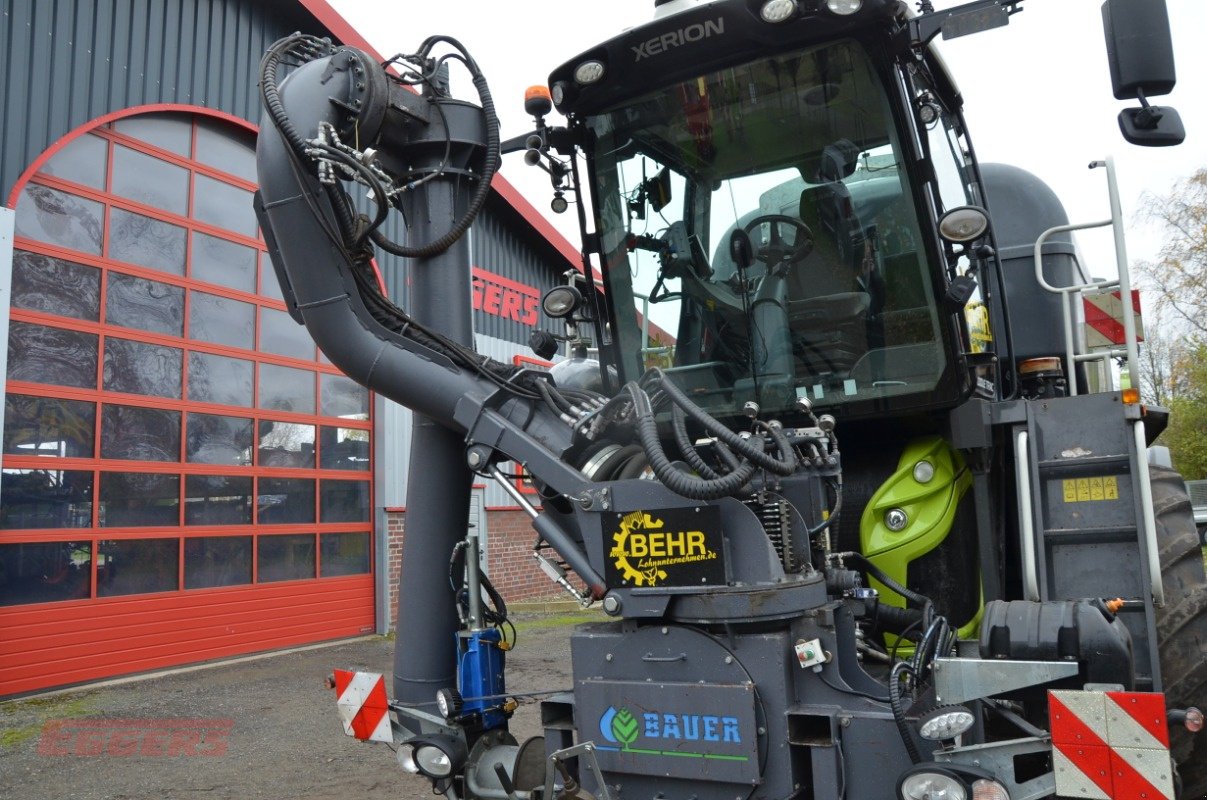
<point>744,447</point>
<point>919,600</point>
<point>677,481</point>
<point>690,454</point>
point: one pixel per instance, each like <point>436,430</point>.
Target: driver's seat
<point>827,305</point>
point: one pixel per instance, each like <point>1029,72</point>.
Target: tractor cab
<point>766,196</point>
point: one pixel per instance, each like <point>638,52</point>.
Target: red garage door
<point>184,476</point>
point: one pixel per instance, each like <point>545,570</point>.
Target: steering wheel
<point>777,251</point>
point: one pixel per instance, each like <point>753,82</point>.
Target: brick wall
<point>510,564</point>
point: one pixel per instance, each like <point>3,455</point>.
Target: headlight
<point>438,756</point>
<point>561,301</point>
<point>777,10</point>
<point>406,759</point>
<point>963,224</point>
<point>945,723</point>
<point>930,785</point>
<point>844,8</point>
<point>924,471</point>
<point>895,519</point>
<point>589,72</point>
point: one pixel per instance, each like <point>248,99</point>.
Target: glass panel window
<point>219,440</point>
<point>167,131</point>
<point>150,180</point>
<point>55,286</point>
<point>217,500</point>
<point>218,379</point>
<point>226,147</point>
<point>42,354</point>
<point>55,217</point>
<point>282,500</point>
<point>83,160</point>
<point>343,448</point>
<point>286,389</point>
<point>43,572</point>
<point>285,444</point>
<point>140,368</point>
<point>40,498</point>
<point>224,263</point>
<point>343,397</point>
<point>137,566</point>
<point>285,558</point>
<point>344,501</point>
<point>140,434</point>
<point>222,321</point>
<point>281,335</point>
<point>269,285</point>
<point>211,561</point>
<point>147,305</point>
<point>345,554</point>
<point>146,242</point>
<point>223,206</point>
<point>48,426</point>
<point>137,499</point>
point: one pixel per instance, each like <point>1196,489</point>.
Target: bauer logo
<point>655,732</point>
<point>676,547</point>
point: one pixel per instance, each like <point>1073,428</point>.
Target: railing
<point>1076,293</point>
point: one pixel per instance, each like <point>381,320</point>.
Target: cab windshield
<point>760,237</point>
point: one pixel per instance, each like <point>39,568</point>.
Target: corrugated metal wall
<point>66,62</point>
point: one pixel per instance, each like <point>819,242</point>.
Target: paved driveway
<point>265,728</point>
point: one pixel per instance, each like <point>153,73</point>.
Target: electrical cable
<point>894,693</point>
<point>849,690</point>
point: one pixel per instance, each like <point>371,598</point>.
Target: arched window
<point>168,427</point>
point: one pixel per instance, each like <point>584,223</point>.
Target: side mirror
<point>1140,53</point>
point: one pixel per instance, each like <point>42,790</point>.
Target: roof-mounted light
<point>778,10</point>
<point>844,8</point>
<point>589,72</point>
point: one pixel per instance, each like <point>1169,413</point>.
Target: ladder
<point>1085,511</point>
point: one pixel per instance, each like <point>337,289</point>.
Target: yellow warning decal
<point>1085,490</point>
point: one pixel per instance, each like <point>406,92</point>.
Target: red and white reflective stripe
<point>1110,745</point>
<point>363,706</point>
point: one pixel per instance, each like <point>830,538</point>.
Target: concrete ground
<point>272,717</point>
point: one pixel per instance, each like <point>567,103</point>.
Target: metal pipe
<point>1148,520</point>
<point>1026,523</point>
<point>1125,282</point>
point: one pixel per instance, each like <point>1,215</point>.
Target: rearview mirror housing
<point>1138,48</point>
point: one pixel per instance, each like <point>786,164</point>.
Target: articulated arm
<point>320,247</point>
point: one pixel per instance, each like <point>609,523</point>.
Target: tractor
<point>865,516</point>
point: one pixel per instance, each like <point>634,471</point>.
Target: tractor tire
<point>1182,623</point>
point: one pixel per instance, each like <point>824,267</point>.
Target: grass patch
<point>43,710</point>
<point>554,621</point>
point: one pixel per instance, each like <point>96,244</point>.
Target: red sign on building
<point>502,297</point>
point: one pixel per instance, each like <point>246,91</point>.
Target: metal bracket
<point>958,680</point>
<point>998,758</point>
<point>585,750</point>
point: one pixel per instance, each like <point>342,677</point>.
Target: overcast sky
<point>1037,92</point>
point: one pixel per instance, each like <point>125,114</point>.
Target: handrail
<point>1026,521</point>
<point>1123,282</point>
<point>1146,510</point>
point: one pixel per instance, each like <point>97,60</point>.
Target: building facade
<point>185,477</point>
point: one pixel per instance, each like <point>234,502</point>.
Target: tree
<point>1174,364</point>
<point>1180,273</point>
<point>1186,435</point>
